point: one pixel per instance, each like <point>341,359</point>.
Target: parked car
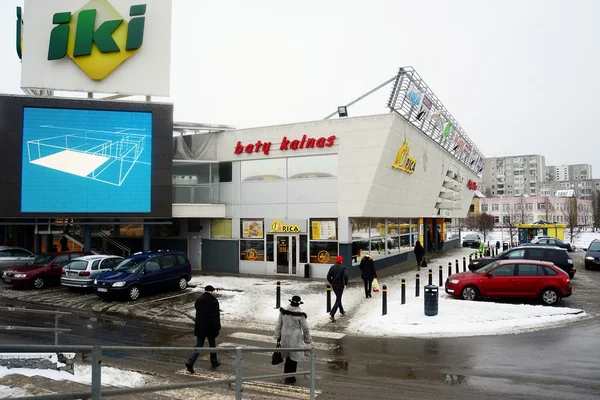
<point>145,272</point>
<point>14,256</point>
<point>552,241</point>
<point>592,255</point>
<point>471,240</point>
<point>512,279</point>
<point>555,255</point>
<point>81,272</point>
<point>44,270</point>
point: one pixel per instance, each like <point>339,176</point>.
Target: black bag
<point>277,358</point>
<point>424,263</point>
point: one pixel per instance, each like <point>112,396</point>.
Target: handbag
<point>375,285</point>
<point>277,358</point>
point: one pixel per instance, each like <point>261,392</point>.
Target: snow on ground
<point>247,300</point>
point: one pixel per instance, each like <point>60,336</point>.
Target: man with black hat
<point>291,331</point>
<point>338,278</point>
<point>208,325</point>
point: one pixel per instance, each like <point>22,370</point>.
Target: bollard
<point>328,298</point>
<point>430,273</point>
<point>403,292</point>
<point>441,274</point>
<point>456,266</point>
<point>278,295</point>
<point>417,286</point>
<point>470,258</point>
<point>449,269</point>
<point>464,264</point>
<point>384,300</point>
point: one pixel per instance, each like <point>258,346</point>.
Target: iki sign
<point>76,34</point>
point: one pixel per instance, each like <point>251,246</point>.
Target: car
<point>14,256</point>
<point>148,271</point>
<point>555,255</point>
<point>81,272</point>
<point>552,241</point>
<point>44,270</point>
<point>592,255</point>
<point>471,240</point>
<point>515,278</point>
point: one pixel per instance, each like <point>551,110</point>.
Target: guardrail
<point>56,329</point>
<point>97,393</point>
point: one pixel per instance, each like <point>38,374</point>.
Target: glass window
<point>181,260</point>
<point>220,228</point>
<point>270,248</point>
<point>252,228</point>
<point>550,271</point>
<point>61,260</point>
<point>360,228</point>
<point>20,253</point>
<point>166,262</point>
<point>529,270</point>
<point>484,208</point>
<point>312,167</point>
<point>323,229</point>
<point>186,173</point>
<point>225,173</point>
<point>323,252</point>
<point>263,170</point>
<point>495,207</point>
<point>252,250</point>
<point>516,254</point>
<point>504,270</point>
<point>303,249</point>
<point>377,227</point>
<point>95,265</point>
<point>5,253</point>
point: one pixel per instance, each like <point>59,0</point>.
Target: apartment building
<point>582,188</point>
<point>573,172</point>
<point>513,175</point>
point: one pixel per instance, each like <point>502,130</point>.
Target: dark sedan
<point>552,241</point>
<point>592,255</point>
<point>471,240</point>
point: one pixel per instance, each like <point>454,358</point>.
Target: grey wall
<point>220,256</point>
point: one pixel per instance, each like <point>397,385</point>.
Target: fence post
<point>278,295</point>
<point>384,300</point>
<point>96,373</point>
<point>418,285</point>
<point>328,298</point>
<point>456,266</point>
<point>441,275</point>
<point>403,292</point>
<point>430,273</point>
<point>464,264</point>
<point>56,329</point>
<point>449,269</point>
<point>313,372</point>
<point>238,373</point>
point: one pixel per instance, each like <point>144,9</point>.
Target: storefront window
<point>263,170</point>
<point>252,250</point>
<point>251,228</point>
<point>360,228</point>
<point>324,166</point>
<point>270,248</point>
<point>323,252</point>
<point>377,227</point>
<point>220,228</point>
<point>323,229</point>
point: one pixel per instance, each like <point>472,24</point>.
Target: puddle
<point>337,364</point>
<point>414,373</point>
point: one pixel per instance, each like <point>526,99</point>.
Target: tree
<point>571,215</point>
<point>523,210</point>
<point>548,209</point>
<point>511,219</point>
<point>483,223</point>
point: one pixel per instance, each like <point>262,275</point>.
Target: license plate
<point>7,280</point>
<point>100,289</point>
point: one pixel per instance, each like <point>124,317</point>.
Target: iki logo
<point>97,38</point>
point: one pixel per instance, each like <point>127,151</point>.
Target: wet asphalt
<point>557,363</point>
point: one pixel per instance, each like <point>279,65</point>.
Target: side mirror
<point>488,275</point>
<point>585,249</point>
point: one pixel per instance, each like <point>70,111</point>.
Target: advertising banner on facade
<point>252,229</point>
<point>323,230</point>
<point>286,225</point>
<point>104,46</point>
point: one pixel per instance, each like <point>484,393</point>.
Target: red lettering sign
<point>286,144</point>
<point>472,185</point>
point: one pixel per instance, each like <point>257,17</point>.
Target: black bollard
<point>456,266</point>
<point>278,295</point>
<point>449,269</point>
<point>464,264</point>
<point>384,299</point>
<point>403,292</point>
<point>418,286</point>
<point>328,298</point>
<point>441,274</point>
<point>470,258</point>
<point>430,273</point>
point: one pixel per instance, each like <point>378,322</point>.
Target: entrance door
<point>286,254</point>
<point>195,252</point>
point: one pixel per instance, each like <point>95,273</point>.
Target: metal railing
<point>56,329</point>
<point>97,393</point>
<point>124,250</point>
<point>196,194</point>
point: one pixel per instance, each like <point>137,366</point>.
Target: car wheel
<point>549,297</point>
<point>469,293</point>
<point>182,283</point>
<point>587,267</point>
<point>38,282</point>
<point>134,293</point>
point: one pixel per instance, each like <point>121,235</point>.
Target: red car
<point>44,269</point>
<point>512,279</point>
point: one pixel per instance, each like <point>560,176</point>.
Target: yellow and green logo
<point>97,38</point>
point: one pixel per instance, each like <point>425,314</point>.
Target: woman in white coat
<point>292,331</point>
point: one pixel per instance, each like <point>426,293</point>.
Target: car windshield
<point>595,246</point>
<point>129,265</point>
<point>485,268</point>
<point>77,265</point>
<point>42,260</point>
<point>472,236</point>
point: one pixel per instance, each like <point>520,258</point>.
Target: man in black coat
<point>367,266</point>
<point>338,278</point>
<point>208,325</point>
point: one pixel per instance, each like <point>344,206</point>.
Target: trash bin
<point>431,300</point>
<point>487,252</point>
<point>504,246</point>
<point>307,270</point>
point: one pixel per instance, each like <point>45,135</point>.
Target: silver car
<point>81,272</point>
<point>14,256</point>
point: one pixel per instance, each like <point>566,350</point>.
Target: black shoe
<point>332,318</point>
<point>215,365</point>
<point>343,313</point>
<point>290,379</point>
<point>189,367</point>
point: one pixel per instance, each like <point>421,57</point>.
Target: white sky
<point>519,77</point>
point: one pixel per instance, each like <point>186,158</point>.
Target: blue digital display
<point>86,161</point>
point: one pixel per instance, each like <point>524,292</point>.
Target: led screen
<point>86,161</point>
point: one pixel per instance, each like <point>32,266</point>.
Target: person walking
<point>292,331</point>
<point>64,244</point>
<point>207,326</point>
<point>419,254</point>
<point>338,279</point>
<point>367,266</point>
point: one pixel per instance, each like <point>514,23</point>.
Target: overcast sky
<point>519,76</point>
